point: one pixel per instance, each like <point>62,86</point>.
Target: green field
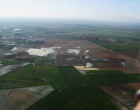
<point>73,91</point>
<point>8,62</point>
<point>81,98</point>
<point>118,47</point>
<point>72,77</point>
<point>30,75</point>
<point>81,95</point>
<point>105,77</point>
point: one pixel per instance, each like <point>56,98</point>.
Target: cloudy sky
<point>112,10</point>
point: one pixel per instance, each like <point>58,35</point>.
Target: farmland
<point>69,84</point>
<point>72,89</point>
<point>8,62</point>
<point>102,77</point>
<point>29,75</point>
<point>106,54</point>
<point>83,87</point>
<point>119,85</point>
<point>79,95</point>
<point>80,52</point>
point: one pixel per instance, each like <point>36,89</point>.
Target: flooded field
<point>81,52</point>
<point>74,51</point>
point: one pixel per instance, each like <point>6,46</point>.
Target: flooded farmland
<point>81,53</point>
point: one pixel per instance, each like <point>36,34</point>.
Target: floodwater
<point>42,51</point>
<point>15,48</point>
<point>74,51</point>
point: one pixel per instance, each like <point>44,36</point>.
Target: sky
<point>110,10</point>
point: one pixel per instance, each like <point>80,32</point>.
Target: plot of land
<point>21,98</point>
<point>30,75</point>
<point>81,95</point>
<point>6,69</point>
<point>85,51</point>
<point>125,94</point>
<point>126,91</point>
<point>122,87</point>
<point>71,87</point>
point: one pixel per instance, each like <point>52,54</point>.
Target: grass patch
<point>104,77</point>
<point>8,62</point>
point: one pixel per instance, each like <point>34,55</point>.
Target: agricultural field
<point>119,85</point>
<point>22,98</point>
<point>58,51</point>
<point>8,62</point>
<point>81,52</point>
<point>131,49</point>
<point>68,83</point>
<point>72,90</point>
<point>107,77</point>
<point>79,95</point>
<point>30,75</point>
<point>85,87</point>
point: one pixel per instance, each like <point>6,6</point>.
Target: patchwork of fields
<point>69,65</point>
<point>72,90</point>
<point>81,52</point>
<point>30,76</point>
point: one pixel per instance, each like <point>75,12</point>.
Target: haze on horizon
<point>110,10</point>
